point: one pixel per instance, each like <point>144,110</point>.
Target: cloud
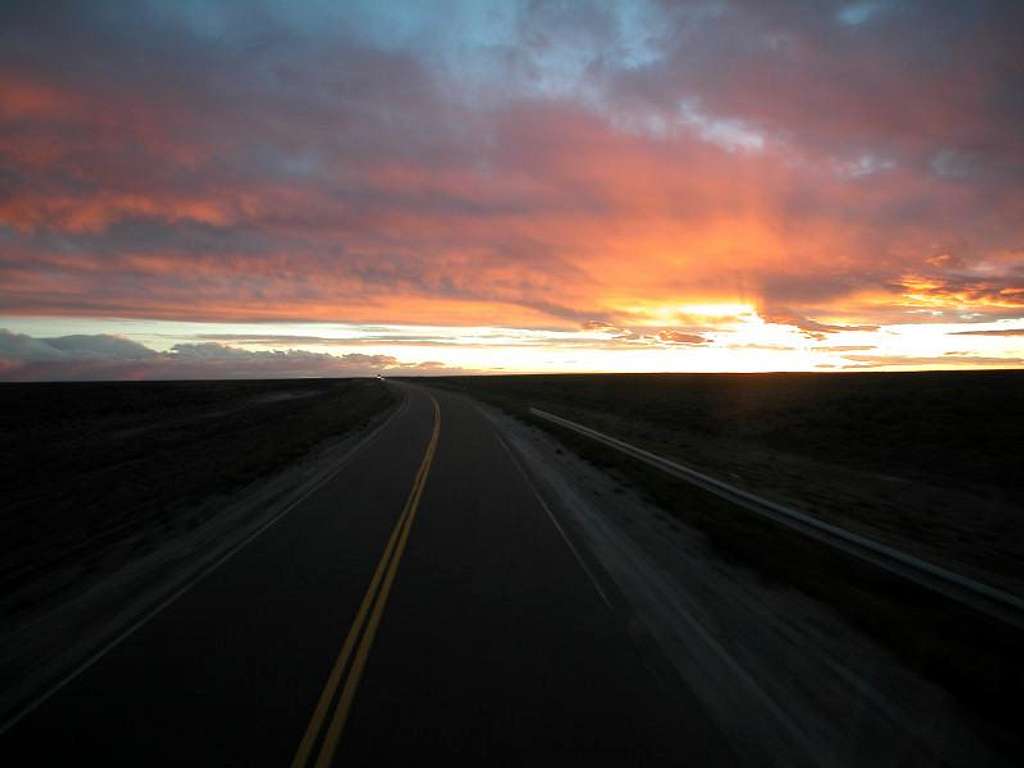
<point>530,165</point>
<point>678,337</point>
<point>645,336</point>
<point>992,295</point>
<point>810,328</point>
<point>99,347</point>
<point>600,325</point>
<point>21,348</point>
<point>997,332</point>
<point>845,348</point>
<point>407,339</point>
<point>102,357</point>
<point>930,361</point>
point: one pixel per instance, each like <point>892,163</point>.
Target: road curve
<point>422,602</point>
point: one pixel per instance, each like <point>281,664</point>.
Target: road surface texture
<point>422,602</point>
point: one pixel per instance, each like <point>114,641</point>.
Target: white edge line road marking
<point>995,602</point>
<point>744,676</point>
<point>554,521</point>
<point>196,577</point>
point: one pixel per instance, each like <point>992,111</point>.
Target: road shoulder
<point>43,653</point>
<point>784,675</point>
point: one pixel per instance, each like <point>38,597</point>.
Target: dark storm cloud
<point>21,348</point>
<point>102,356</point>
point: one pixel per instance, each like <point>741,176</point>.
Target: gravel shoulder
<point>785,675</point>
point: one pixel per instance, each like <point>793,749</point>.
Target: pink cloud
<point>835,176</point>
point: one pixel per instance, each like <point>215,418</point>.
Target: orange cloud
<point>827,179</point>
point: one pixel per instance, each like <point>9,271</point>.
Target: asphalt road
<point>422,602</point>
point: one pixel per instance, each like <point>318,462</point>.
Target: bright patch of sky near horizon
<point>519,186</point>
<point>747,344</point>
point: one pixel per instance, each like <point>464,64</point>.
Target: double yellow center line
<point>374,600</point>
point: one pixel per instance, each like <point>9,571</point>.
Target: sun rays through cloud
<point>495,186</point>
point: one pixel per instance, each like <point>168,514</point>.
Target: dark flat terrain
<point>470,619</point>
<point>85,467</point>
<point>928,461</point>
<point>495,645</point>
<point>951,427</point>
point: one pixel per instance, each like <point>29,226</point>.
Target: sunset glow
<point>478,186</point>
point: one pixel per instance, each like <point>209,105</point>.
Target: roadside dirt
<point>926,462</point>
<point>42,646</point>
<point>784,675</point>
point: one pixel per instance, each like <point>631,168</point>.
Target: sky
<point>277,188</point>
